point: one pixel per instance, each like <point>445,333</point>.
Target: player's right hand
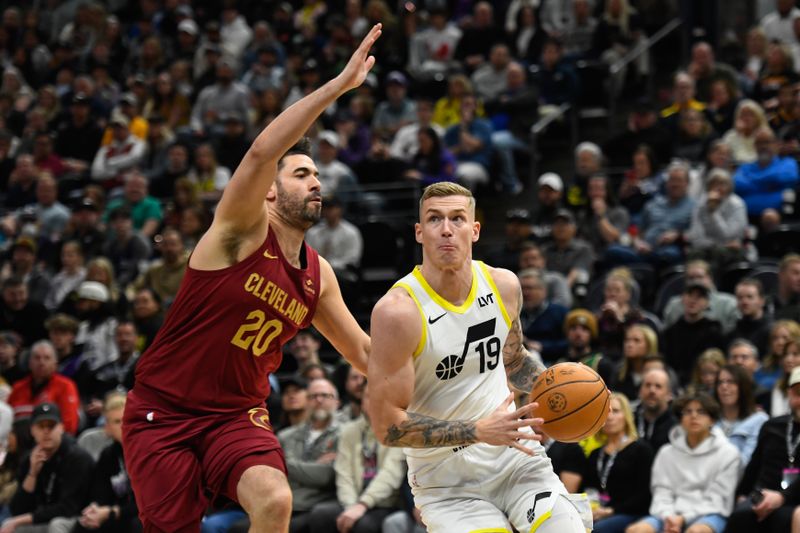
<point>502,427</point>
<point>355,72</point>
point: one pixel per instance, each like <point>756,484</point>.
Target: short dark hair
<point>708,404</point>
<point>13,282</point>
<point>120,212</point>
<point>301,147</point>
<point>753,282</point>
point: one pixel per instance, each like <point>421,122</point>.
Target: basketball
<point>573,401</point>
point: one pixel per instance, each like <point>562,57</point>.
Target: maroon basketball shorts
<point>178,461</point>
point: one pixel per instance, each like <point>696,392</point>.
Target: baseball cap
<point>794,377</point>
<point>86,203</point>
<point>581,317</point>
<point>310,65</point>
<point>293,379</point>
<point>129,98</point>
<point>45,411</point>
<point>564,214</point>
<point>118,119</point>
<point>552,180</point>
<point>330,137</point>
<point>24,242</point>
<point>93,290</point>
<point>80,98</point>
<point>697,286</point>
<point>188,26</point>
<point>397,77</point>
<point>521,215</point>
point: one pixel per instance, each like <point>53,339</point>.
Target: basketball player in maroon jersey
<point>195,424</point>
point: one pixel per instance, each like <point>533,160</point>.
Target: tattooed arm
<point>522,367</point>
<point>396,330</point>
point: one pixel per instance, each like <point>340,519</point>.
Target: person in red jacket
<point>42,385</point>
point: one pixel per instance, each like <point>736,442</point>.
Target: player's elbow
<point>380,426</point>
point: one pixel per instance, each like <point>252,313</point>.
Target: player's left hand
<point>356,70</point>
<point>502,427</point>
<point>347,518</point>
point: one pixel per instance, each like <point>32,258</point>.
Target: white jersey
<point>458,363</point>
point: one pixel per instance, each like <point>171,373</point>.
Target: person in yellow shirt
<point>129,106</point>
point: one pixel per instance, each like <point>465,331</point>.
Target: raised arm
<point>396,331</point>
<point>522,367</point>
<point>241,212</point>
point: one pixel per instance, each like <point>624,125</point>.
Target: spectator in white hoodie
<point>694,476</point>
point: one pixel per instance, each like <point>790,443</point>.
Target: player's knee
<point>563,518</point>
<point>263,491</point>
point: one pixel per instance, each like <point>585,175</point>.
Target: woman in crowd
<point>722,105</point>
<point>739,419</point>
<point>694,476</point>
<point>620,470</point>
<point>748,119</point>
<point>168,103</point>
<point>432,162</point>
<point>778,400</point>
<point>208,177</point>
<point>694,136</point>
<point>706,369</point>
<point>640,183</point>
<point>640,341</point>
<point>778,70</point>
<point>619,310</point>
<point>782,330</point>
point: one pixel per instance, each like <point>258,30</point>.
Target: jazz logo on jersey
<point>489,351</point>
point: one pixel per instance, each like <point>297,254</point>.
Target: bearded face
<point>304,210</point>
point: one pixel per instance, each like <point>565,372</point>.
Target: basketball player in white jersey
<point>446,345</point>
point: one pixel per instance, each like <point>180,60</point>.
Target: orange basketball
<point>573,401</point>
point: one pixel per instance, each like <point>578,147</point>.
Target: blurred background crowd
<point>635,162</point>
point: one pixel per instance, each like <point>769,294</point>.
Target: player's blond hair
<point>447,188</point>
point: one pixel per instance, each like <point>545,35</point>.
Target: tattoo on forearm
<point>526,372</point>
<point>522,368</point>
<point>421,431</point>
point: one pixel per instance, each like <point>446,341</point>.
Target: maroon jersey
<point>225,330</point>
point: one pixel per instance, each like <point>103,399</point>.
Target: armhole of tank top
<point>491,283</point>
<point>247,261</point>
<point>423,338</point>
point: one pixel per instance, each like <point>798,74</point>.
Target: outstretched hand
<point>502,426</point>
<point>360,62</point>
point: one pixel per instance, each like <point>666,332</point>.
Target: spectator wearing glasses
<point>310,450</point>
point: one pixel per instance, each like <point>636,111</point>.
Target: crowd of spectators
<point>122,122</point>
